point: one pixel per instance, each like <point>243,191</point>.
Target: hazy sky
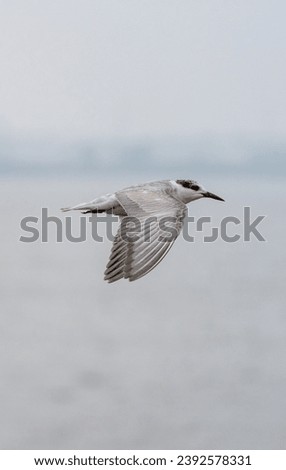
<point>86,68</point>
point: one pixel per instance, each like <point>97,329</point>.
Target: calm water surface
<point>191,356</point>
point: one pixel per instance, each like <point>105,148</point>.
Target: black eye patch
<point>184,183</point>
<point>195,187</point>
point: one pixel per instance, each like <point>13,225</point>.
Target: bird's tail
<point>79,207</point>
<point>101,204</point>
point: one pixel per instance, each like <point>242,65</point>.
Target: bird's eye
<point>195,187</point>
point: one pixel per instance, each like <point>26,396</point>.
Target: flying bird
<point>152,216</point>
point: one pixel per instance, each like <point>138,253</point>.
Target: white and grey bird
<point>159,209</point>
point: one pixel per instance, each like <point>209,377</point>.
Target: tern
<point>152,216</point>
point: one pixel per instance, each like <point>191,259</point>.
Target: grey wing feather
<point>136,257</point>
<point>115,266</point>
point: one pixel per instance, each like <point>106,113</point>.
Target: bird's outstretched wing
<point>154,221</point>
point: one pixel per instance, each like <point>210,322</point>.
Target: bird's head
<point>191,190</point>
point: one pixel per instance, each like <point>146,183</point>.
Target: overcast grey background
<point>98,94</point>
<point>143,68</point>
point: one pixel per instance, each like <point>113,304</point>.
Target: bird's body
<point>157,209</point>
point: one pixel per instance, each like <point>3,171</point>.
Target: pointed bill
<point>213,196</point>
